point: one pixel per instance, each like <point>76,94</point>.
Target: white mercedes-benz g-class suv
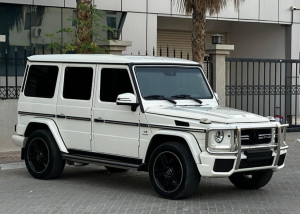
<point>147,113</point>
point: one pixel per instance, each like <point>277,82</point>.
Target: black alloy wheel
<point>168,171</point>
<point>172,170</point>
<point>38,155</point>
<point>43,158</point>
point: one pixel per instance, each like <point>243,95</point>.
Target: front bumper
<point>18,140</point>
<point>224,164</point>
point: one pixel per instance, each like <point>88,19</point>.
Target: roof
<point>108,58</point>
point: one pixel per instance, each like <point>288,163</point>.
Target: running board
<point>86,159</point>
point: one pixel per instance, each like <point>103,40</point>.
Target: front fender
<point>189,139</point>
<point>53,129</point>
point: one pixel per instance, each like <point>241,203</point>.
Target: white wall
<point>295,41</point>
<point>253,40</point>
<point>135,30</point>
<point>8,119</point>
<point>258,40</point>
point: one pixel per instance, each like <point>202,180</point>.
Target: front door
<point>115,127</point>
<point>74,106</point>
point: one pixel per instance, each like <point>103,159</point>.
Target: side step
<point>97,160</point>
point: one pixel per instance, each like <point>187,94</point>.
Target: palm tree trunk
<point>198,36</point>
<point>84,25</point>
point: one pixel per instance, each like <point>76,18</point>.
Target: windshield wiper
<point>185,96</point>
<point>160,97</point>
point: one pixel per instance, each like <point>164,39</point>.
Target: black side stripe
<point>115,122</point>
<point>149,125</point>
<point>121,123</point>
<point>78,118</point>
<point>35,114</point>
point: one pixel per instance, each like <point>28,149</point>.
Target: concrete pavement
<point>92,189</point>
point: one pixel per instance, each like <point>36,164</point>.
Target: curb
<point>8,166</point>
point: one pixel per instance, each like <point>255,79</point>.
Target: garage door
<point>178,43</point>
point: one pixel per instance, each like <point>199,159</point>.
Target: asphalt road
<point>92,189</point>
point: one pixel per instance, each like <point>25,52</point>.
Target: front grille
<point>255,136</point>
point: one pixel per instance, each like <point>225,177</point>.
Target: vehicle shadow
<point>98,179</point>
<point>138,183</point>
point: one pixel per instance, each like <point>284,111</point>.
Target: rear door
<point>74,105</point>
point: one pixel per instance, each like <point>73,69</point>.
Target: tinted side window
<point>78,83</point>
<point>114,82</point>
<point>41,81</point>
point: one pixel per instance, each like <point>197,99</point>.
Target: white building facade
<point>258,28</point>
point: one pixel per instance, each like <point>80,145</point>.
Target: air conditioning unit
<point>36,31</point>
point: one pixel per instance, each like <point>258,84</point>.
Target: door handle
<point>61,116</point>
<point>99,120</point>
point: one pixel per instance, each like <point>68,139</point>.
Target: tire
<point>113,169</point>
<point>43,158</point>
<point>251,180</point>
<point>173,172</point>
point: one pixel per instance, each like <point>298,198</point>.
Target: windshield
<point>172,82</point>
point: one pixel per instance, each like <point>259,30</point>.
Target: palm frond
<point>211,6</point>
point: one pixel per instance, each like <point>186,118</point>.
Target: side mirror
<point>128,99</point>
<point>216,96</point>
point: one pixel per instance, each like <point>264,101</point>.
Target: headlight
<point>221,140</point>
<point>283,136</point>
<point>219,136</point>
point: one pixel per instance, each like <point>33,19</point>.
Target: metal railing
<point>12,66</point>
<point>268,87</point>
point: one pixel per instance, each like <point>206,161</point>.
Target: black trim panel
<point>99,161</point>
<point>35,114</point>
<point>176,128</point>
<point>128,160</point>
<point>181,123</point>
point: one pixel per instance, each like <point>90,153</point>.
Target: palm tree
<point>198,9</point>
<point>84,26</point>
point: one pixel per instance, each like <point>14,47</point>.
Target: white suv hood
<point>216,114</point>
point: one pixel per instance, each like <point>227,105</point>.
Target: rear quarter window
<point>41,81</point>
